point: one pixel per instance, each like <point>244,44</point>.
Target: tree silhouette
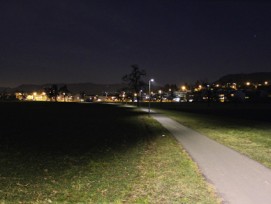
<point>64,91</point>
<point>52,92</point>
<point>135,81</point>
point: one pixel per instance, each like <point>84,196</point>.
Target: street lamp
<point>151,80</point>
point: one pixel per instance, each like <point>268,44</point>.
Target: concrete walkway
<point>237,179</point>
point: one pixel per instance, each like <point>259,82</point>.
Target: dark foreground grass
<point>246,128</point>
<point>92,153</point>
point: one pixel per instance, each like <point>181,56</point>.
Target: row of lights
<point>233,85</point>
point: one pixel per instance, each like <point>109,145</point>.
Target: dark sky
<point>175,41</point>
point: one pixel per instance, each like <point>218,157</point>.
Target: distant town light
<point>266,83</point>
<point>183,88</point>
<point>233,86</point>
<point>248,83</point>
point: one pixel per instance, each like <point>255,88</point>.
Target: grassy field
<point>92,153</point>
<point>250,111</point>
<point>243,127</point>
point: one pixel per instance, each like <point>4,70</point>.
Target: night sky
<point>175,41</point>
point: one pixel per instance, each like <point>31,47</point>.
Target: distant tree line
<point>53,92</point>
<point>5,96</point>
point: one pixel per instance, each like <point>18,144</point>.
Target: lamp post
<point>151,80</point>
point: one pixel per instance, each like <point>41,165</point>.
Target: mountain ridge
<point>255,77</point>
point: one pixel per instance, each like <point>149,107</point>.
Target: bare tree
<point>135,81</point>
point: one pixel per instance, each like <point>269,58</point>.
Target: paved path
<point>237,179</point>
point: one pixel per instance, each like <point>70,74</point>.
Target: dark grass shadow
<point>68,128</point>
<point>57,136</point>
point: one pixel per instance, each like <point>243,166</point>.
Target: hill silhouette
<point>257,77</point>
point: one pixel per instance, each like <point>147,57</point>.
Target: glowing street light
<point>151,80</point>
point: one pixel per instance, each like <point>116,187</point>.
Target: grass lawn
<point>246,129</point>
<point>92,153</point>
